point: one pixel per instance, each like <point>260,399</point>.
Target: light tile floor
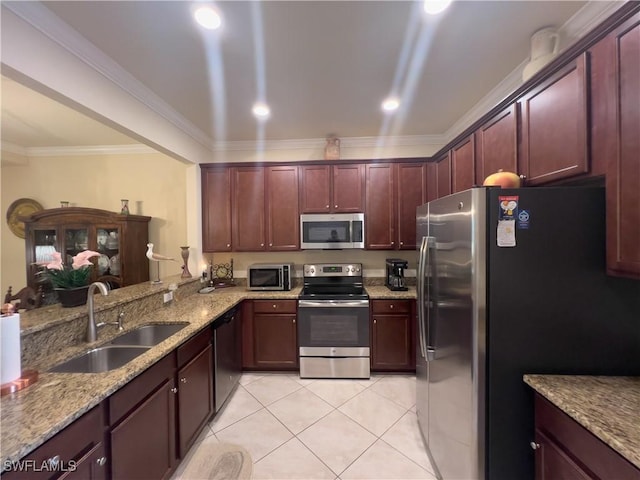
<point>323,429</point>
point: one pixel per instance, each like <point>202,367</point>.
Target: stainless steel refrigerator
<point>511,282</point>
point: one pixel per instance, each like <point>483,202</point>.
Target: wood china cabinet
<point>120,239</point>
<point>332,188</point>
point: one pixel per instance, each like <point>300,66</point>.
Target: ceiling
<point>324,67</point>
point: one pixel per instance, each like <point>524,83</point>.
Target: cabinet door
<point>283,218</point>
<point>348,188</point>
<point>463,165</point>
<point>552,463</point>
<point>497,144</point>
<point>380,207</point>
<point>554,126</point>
<point>621,127</point>
<point>143,445</point>
<point>411,181</point>
<point>248,209</point>
<point>443,176</point>
<point>275,341</point>
<point>391,338</point>
<point>216,210</point>
<point>41,242</point>
<point>432,181</point>
<point>195,398</point>
<point>315,189</point>
<point>91,466</point>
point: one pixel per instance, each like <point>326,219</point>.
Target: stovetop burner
<point>333,281</point>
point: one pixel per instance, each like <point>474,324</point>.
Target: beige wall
<point>154,184</point>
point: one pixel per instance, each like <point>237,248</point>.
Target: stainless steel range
<point>333,322</point>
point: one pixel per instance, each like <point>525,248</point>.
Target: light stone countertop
<point>609,407</point>
<point>30,417</point>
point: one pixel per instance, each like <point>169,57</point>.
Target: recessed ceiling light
<point>208,17</point>
<point>391,104</point>
<point>261,110</point>
<point>433,7</point>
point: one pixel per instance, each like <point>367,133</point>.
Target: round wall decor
<point>21,208</point>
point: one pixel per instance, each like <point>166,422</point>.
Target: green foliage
<point>68,277</point>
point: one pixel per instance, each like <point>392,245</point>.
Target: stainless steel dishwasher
<point>227,355</point>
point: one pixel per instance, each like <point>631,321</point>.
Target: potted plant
<point>70,282</point>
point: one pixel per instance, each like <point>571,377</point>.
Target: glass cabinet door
<point>108,245</point>
<point>44,241</point>
<point>76,239</point>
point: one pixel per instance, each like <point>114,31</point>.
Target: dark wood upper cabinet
<point>283,218</point>
<point>463,166</point>
<point>216,210</point>
<point>248,209</point>
<point>380,206</point>
<point>615,85</point>
<point>497,144</point>
<point>348,188</point>
<point>443,176</point>
<point>555,125</point>
<point>432,181</point>
<point>332,188</point>
<point>411,193</point>
<point>315,188</point>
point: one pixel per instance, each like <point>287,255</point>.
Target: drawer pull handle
<point>294,320</point>
<point>391,306</point>
<point>375,321</point>
<point>534,445</point>
<point>101,461</point>
<point>174,390</point>
<point>275,306</point>
<point>183,380</point>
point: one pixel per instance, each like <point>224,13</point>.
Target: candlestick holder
<point>185,258</point>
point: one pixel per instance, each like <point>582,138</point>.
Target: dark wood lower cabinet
<point>269,335</point>
<point>566,450</point>
<point>195,398</point>
<point>392,335</point>
<point>143,444</point>
<point>77,452</point>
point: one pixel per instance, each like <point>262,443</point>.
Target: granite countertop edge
<point>586,398</point>
<point>34,415</point>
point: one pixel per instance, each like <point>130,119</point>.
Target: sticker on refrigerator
<point>507,233</point>
<point>523,219</point>
<point>507,214</point>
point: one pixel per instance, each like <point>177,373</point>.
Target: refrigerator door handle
<point>421,302</point>
<point>431,299</point>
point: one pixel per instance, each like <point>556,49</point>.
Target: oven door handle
<point>333,303</point>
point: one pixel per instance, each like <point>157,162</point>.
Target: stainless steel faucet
<point>92,329</point>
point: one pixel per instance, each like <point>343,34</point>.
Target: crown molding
<point>581,23</point>
<point>46,22</point>
<point>12,148</point>
<point>319,143</point>
<point>78,151</point>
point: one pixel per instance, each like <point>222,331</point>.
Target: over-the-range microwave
<point>269,276</point>
<point>331,230</point>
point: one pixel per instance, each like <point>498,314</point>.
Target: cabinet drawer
<point>390,306</point>
<point>70,444</point>
<point>134,392</point>
<point>193,346</point>
<point>274,306</point>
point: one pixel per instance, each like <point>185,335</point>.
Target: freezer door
<point>452,403</point>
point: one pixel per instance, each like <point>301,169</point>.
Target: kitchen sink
<point>101,359</point>
<point>148,335</point>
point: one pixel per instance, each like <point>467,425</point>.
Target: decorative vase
<point>185,258</point>
<point>72,297</point>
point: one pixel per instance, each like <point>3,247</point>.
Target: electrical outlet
<point>168,297</point>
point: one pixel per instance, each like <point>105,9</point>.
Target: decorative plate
<point>22,207</point>
<point>114,263</point>
<point>103,264</point>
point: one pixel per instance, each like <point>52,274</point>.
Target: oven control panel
<point>333,270</point>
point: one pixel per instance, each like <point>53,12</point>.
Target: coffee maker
<point>395,274</point>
